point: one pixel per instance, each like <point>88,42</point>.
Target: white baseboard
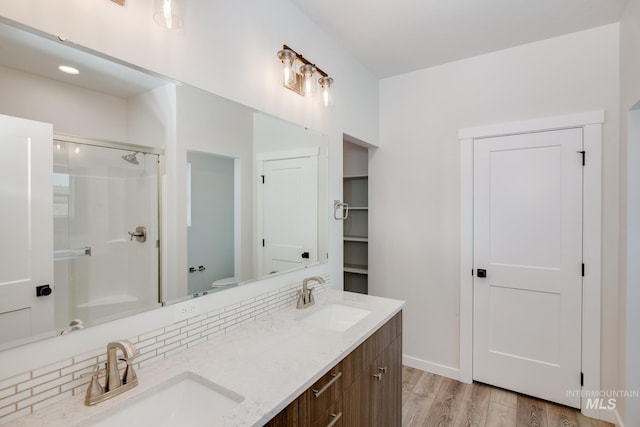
<point>434,368</point>
<point>612,416</point>
<point>604,414</point>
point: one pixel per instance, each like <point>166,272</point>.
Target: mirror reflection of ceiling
<point>37,54</point>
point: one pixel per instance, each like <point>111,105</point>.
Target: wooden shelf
<point>355,239</point>
<point>358,208</point>
<point>356,268</point>
<point>356,177</point>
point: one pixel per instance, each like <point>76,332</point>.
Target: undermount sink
<point>335,317</point>
<point>184,400</point>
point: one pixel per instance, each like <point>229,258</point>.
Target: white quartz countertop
<point>269,362</point>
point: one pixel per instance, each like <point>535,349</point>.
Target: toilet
<point>223,283</point>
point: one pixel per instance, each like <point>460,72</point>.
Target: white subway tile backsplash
<point>12,381</point>
<point>53,367</point>
<point>37,398</point>
<point>52,384</point>
<point>12,416</point>
<point>27,392</point>
<point>196,342</point>
<point>7,410</point>
<point>37,381</point>
<point>7,392</point>
<point>88,363</point>
<point>14,398</point>
<point>150,361</point>
<point>69,386</point>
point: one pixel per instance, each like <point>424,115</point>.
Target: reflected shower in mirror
<point>105,228</point>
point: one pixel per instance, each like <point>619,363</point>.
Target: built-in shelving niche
<point>355,193</point>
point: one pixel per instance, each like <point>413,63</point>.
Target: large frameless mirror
<point>254,200</point>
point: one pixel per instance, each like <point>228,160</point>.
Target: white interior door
<point>290,213</point>
<point>528,239</point>
<point>26,229</point>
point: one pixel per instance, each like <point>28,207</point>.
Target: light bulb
<point>167,14</point>
<point>327,93</point>
<point>308,83</point>
<point>287,57</point>
<point>68,69</point>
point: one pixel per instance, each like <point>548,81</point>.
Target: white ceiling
<point>392,37</point>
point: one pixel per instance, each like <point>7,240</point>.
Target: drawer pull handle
<point>383,370</point>
<point>335,419</point>
<point>378,377</point>
<point>317,393</point>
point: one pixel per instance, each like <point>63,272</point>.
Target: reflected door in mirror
<point>290,210</point>
<point>26,240</point>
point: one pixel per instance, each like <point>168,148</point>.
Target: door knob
<point>43,290</point>
<point>305,255</point>
<point>482,273</point>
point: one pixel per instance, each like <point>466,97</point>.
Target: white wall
<point>414,250</point>
<point>71,109</point>
<point>629,316</point>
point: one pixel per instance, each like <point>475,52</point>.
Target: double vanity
<point>335,363</point>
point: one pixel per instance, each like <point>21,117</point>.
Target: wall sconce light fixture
<point>167,14</point>
<point>298,76</point>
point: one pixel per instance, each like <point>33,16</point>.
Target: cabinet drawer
<point>321,395</point>
<point>332,417</point>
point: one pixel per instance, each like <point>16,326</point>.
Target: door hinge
<point>263,243</point>
<point>157,244</point>
<point>581,379</point>
<point>262,178</point>
<point>583,156</point>
<point>583,269</point>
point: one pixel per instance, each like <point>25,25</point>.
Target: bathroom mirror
<point>250,189</point>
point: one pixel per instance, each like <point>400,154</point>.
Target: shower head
<point>131,158</point>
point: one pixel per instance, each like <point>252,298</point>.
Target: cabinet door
<point>26,228</point>
<point>357,402</point>
<point>387,386</point>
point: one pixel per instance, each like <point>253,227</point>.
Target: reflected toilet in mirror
<point>211,222</point>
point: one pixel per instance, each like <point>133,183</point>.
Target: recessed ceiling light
<point>69,70</point>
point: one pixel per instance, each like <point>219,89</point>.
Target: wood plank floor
<point>431,400</point>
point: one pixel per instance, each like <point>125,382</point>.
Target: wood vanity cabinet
<point>364,389</point>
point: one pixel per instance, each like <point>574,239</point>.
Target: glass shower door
<point>106,256</point>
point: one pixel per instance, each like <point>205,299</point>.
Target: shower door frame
<point>103,143</point>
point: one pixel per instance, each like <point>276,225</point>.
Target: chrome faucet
<point>305,296</point>
<point>114,383</point>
